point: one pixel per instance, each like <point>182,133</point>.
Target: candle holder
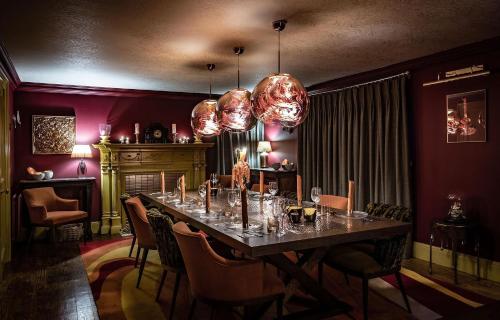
<point>104,139</point>
<point>197,139</point>
<point>136,138</point>
<point>174,137</point>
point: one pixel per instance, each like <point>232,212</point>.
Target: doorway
<point>5,214</point>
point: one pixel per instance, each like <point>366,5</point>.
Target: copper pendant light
<point>280,98</point>
<point>235,106</point>
<point>204,118</point>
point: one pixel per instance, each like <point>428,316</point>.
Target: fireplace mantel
<point>119,160</point>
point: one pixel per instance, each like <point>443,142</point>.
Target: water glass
<point>202,191</point>
<point>273,188</point>
<point>316,195</point>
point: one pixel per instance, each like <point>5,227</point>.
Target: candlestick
<point>299,190</point>
<point>232,177</point>
<point>136,126</point>
<point>261,183</point>
<point>244,209</point>
<point>136,138</point>
<point>183,189</point>
<point>162,175</point>
<point>350,198</point>
<point>174,128</point>
<point>207,197</point>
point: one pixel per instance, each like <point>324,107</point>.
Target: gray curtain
<point>228,142</point>
<point>359,134</point>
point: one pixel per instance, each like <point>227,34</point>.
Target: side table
<point>458,233</point>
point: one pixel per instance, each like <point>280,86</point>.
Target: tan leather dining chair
<point>337,202</point>
<point>47,209</point>
<point>145,237</point>
<point>222,282</point>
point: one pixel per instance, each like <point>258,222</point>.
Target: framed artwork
<point>53,134</point>
<point>466,114</point>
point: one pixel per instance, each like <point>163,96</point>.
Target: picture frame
<point>53,134</point>
<point>466,117</point>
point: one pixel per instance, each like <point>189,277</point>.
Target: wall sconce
<point>81,151</point>
<point>16,118</point>
<point>264,147</point>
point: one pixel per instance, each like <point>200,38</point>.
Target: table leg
<point>431,240</point>
<point>309,284</point>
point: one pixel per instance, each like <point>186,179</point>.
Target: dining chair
<point>222,282</point>
<point>372,259</point>
<point>170,255</point>
<point>145,237</point>
<point>47,209</point>
<point>123,198</point>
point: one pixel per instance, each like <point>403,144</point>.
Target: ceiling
<point>164,45</point>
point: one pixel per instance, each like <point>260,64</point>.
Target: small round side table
<point>458,232</point>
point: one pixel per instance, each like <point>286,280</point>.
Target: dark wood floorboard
<point>46,281</point>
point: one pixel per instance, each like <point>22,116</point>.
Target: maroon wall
<point>438,167</point>
<point>283,143</point>
<point>119,108</point>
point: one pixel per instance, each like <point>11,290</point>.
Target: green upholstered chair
<point>375,258</point>
<point>170,255</point>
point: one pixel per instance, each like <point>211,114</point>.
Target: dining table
<point>310,241</point>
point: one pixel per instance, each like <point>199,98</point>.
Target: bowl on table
<point>309,214</point>
<point>37,176</point>
<point>289,166</point>
<point>49,174</point>
<point>276,166</point>
<point>294,213</point>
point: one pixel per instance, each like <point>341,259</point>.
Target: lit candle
<point>162,175</point>
<point>207,197</point>
<point>244,208</point>
<point>136,128</point>
<point>350,197</point>
<point>174,128</point>
<point>183,189</point>
<point>261,183</point>
<point>232,178</point>
<point>299,190</point>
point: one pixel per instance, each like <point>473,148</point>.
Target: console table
<point>79,188</point>
<point>135,168</point>
<point>287,180</point>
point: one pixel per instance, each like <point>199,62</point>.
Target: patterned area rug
<point>112,277</point>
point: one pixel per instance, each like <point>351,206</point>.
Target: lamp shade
<point>205,120</point>
<point>264,146</point>
<point>81,151</point>
<point>280,99</point>
<point>235,111</point>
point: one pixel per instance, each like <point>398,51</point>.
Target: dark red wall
<point>121,111</point>
<point>440,168</point>
<point>283,143</point>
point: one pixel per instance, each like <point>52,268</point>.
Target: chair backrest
<point>335,202</point>
<point>225,180</point>
<point>39,201</point>
<point>161,224</point>
<point>389,252</point>
<point>139,219</point>
<point>212,276</point>
<point>123,198</point>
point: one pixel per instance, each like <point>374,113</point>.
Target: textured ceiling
<point>164,45</point>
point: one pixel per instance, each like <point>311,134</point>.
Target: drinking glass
<point>278,214</point>
<point>214,178</point>
<point>202,191</point>
<point>238,196</point>
<point>232,198</point>
<point>315,196</point>
<point>273,188</point>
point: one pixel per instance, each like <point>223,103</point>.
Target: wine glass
<point>316,195</point>
<point>202,191</point>
<point>232,198</point>
<point>273,188</point>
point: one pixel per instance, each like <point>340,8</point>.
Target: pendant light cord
<point>238,70</point>
<point>279,52</point>
<point>210,90</point>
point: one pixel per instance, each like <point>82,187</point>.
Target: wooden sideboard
<point>122,162</point>
<point>287,180</point>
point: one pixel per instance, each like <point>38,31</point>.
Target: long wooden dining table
<point>311,239</point>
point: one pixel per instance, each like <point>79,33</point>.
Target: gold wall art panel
<point>53,134</point>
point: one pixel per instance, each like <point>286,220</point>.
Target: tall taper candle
<point>183,189</point>
<point>136,127</point>
<point>207,197</point>
<point>162,176</point>
<point>299,190</point>
<point>261,183</point>
<point>350,197</point>
<point>174,128</point>
<point>244,208</point>
<point>233,176</point>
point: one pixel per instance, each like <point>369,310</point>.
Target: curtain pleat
<point>228,142</point>
<point>359,134</point>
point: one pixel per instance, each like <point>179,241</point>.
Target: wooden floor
<point>48,281</point>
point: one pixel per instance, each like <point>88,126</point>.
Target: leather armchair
<point>47,209</point>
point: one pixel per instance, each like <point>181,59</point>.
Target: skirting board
<point>489,269</point>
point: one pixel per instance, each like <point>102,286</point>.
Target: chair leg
<point>132,247</point>
<point>191,311</point>
<point>279,308</point>
<point>137,256</point>
<point>174,294</point>
<point>365,299</point>
<point>143,263</point>
<point>403,292</point>
<point>320,273</point>
<point>162,281</point>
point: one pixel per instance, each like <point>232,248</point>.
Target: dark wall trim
<point>7,67</point>
<point>484,46</point>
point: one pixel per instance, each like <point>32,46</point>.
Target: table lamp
<point>81,151</point>
<point>264,147</point>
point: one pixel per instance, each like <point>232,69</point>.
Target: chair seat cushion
<point>61,217</point>
<point>348,259</point>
